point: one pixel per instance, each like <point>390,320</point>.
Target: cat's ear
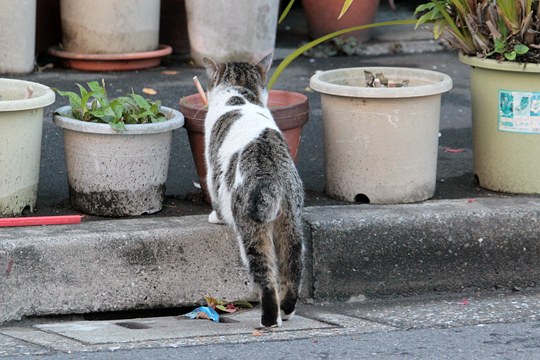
<point>210,66</point>
<point>213,71</point>
<point>264,66</point>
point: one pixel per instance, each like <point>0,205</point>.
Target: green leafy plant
<point>94,105</point>
<point>496,29</point>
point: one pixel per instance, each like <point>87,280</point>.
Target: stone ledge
<point>448,245</point>
<point>357,250</point>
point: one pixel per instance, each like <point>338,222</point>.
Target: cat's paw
<point>213,218</point>
<point>286,317</point>
<point>273,324</point>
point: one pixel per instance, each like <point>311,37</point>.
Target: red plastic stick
<point>41,220</point>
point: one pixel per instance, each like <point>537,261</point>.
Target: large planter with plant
<point>505,98</point>
<point>380,143</point>
<point>17,36</point>
<point>110,35</point>
<point>500,40</point>
<point>117,152</point>
<point>21,124</point>
<point>234,30</point>
<point>290,111</point>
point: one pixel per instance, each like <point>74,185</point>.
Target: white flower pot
<point>233,30</point>
<point>380,144</point>
<point>114,173</point>
<point>21,124</point>
<point>110,26</point>
<point>17,36</point>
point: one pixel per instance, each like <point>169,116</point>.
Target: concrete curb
<point>117,265</point>
<point>368,250</point>
<point>448,245</point>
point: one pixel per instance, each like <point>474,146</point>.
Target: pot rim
<point>434,82</point>
<point>44,96</point>
<point>65,122</point>
<point>287,116</point>
<point>492,64</point>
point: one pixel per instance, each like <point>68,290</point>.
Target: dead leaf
<point>453,151</point>
<point>228,309</point>
<point>202,315</point>
<point>379,80</point>
<point>242,304</point>
<point>169,72</point>
<point>149,91</point>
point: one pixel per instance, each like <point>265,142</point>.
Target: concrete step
<point>352,251</point>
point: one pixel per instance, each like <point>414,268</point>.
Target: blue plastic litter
<point>210,313</point>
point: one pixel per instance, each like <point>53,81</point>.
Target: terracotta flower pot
<point>290,111</point>
<point>322,17</point>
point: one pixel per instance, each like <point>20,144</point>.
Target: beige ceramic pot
<point>110,26</point>
<point>21,124</point>
<point>17,35</point>
<point>380,144</point>
<point>506,124</point>
<point>114,173</point>
<point>233,30</point>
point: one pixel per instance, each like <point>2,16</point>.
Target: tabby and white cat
<point>253,183</point>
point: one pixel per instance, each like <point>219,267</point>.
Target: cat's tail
<point>264,201</point>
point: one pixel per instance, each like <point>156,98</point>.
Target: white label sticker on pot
<point>519,112</point>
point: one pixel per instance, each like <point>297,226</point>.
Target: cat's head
<point>238,74</point>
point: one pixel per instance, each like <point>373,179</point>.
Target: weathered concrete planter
<point>110,26</point>
<point>114,173</point>
<point>21,124</point>
<point>506,124</point>
<point>234,30</point>
<point>381,143</point>
<point>17,36</point>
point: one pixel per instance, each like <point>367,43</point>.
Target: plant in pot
<point>117,151</point>
<point>501,41</point>
<point>380,143</point>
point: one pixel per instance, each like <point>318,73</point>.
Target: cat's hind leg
<point>261,258</point>
<point>289,244</point>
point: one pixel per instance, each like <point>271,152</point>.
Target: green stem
<point>289,58</point>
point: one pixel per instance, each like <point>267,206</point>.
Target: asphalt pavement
<point>497,325</point>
